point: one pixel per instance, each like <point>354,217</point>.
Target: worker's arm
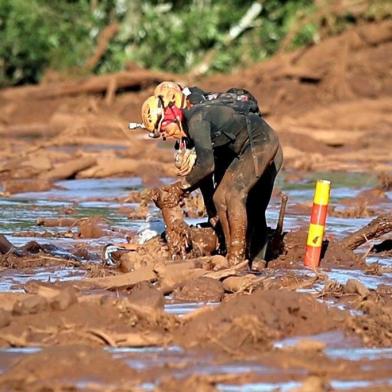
<point>200,133</point>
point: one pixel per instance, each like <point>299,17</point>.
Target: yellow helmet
<point>171,94</point>
<point>152,114</point>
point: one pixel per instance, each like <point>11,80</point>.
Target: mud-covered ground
<point>73,181</point>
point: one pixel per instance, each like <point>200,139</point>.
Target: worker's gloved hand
<point>168,196</point>
<point>185,160</point>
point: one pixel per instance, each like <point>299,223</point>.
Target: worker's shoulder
<point>205,110</point>
<point>194,95</point>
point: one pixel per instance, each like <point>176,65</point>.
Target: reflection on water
<point>337,385</point>
<point>20,350</point>
<point>353,385</point>
<point>11,281</point>
<point>180,309</point>
<point>332,339</point>
<point>356,354</point>
<point>183,364</point>
<point>85,189</point>
<point>371,281</point>
<point>99,197</point>
<point>8,356</point>
<point>259,387</point>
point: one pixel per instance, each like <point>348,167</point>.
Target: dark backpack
<point>239,99</point>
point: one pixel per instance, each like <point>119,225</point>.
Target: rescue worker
<point>171,93</point>
<point>242,152</point>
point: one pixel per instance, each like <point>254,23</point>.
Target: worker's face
<point>172,131</point>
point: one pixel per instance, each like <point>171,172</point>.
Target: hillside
<point>331,105</point>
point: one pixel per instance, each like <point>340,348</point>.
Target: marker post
<point>317,224</point>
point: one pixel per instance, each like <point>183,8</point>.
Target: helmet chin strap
<point>179,122</point>
<point>170,114</point>
<point>154,135</point>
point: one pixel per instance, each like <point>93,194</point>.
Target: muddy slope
<point>336,96</point>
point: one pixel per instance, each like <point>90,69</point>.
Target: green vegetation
<point>62,35</point>
<point>35,34</point>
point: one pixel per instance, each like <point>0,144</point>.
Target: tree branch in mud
<point>376,228</point>
<point>5,245</point>
<point>92,85</point>
<point>30,129</point>
<point>106,35</point>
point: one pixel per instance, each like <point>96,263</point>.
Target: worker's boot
<point>236,252</point>
<point>258,261</point>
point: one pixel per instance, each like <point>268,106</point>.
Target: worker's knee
<point>237,199</point>
<point>219,199</point>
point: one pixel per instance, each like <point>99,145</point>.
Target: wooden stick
<point>5,245</point>
<point>92,85</point>
<point>282,212</point>
<point>376,228</point>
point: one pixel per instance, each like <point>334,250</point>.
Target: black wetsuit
<point>240,99</point>
<point>217,129</point>
<point>239,149</point>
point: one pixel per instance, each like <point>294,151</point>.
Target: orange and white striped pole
<point>317,224</point>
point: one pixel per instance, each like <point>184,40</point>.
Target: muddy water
<point>83,198</point>
<point>249,375</point>
<point>19,214</point>
<point>188,365</point>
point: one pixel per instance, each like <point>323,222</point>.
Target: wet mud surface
<point>144,321</point>
<point>91,297</point>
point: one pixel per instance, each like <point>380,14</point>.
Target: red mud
<point>344,114</point>
<point>257,320</point>
<point>243,327</point>
<point>70,364</point>
<point>333,254</point>
<point>331,105</point>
